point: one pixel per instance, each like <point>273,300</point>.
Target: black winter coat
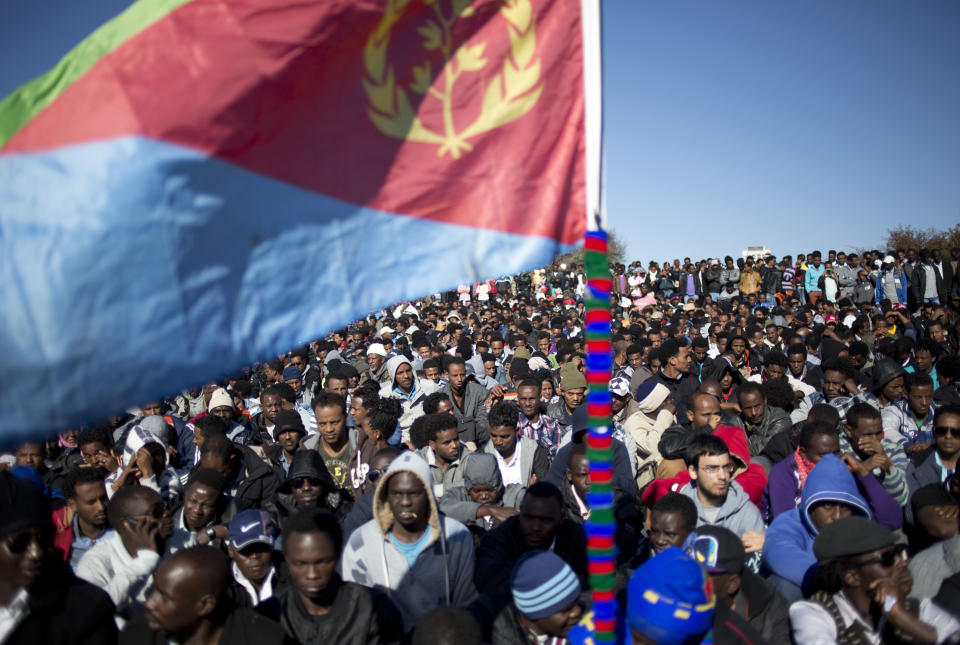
<point>67,611</point>
<point>501,548</point>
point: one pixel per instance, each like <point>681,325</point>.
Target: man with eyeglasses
<point>862,598</point>
<point>720,501</point>
<point>40,600</point>
<point>123,563</point>
<point>937,463</point>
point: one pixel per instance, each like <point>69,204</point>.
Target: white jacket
<point>412,404</point>
<point>126,579</point>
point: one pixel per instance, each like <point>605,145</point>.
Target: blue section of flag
<point>131,268</point>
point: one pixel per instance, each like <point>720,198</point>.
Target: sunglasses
<point>886,559</point>
<point>941,431</point>
<point>20,542</point>
<point>300,481</point>
<point>374,475</point>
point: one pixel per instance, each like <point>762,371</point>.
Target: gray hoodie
<point>480,468</point>
<point>441,575</point>
<point>444,480</point>
<point>737,512</point>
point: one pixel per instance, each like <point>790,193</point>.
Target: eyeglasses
<point>21,541</point>
<point>713,470</point>
<point>941,431</point>
<point>886,559</point>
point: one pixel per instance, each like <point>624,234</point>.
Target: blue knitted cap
<point>670,599</point>
<point>543,584</point>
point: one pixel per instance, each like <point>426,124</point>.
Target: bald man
<point>122,563</point>
<point>188,604</point>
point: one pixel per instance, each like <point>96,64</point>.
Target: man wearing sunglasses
<point>935,464</point>
<point>864,582</point>
<point>309,485</point>
<point>40,600</point>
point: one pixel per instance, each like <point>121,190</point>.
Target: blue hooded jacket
<point>788,547</point>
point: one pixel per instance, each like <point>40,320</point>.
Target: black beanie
<point>22,504</point>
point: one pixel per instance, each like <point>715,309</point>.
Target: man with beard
<point>318,606</point>
<point>720,500</point>
<point>417,556</point>
<point>41,602</point>
<point>761,421</point>
<point>573,387</point>
<point>863,594</point>
<point>332,441</point>
<point>533,424</point>
<point>87,504</point>
<point>189,604</point>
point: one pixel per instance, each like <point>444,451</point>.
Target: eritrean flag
<point>202,183</point>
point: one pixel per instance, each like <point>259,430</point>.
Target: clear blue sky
<point>816,124</point>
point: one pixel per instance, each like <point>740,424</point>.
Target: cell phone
<point>132,522</point>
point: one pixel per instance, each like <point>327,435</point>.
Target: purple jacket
<point>783,493</point>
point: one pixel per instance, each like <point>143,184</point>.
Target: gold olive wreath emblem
<point>509,95</point>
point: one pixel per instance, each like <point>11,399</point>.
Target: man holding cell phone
<point>123,563</point>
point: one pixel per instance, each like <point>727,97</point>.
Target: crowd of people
<point>786,438</point>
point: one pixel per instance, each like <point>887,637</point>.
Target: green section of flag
<point>28,100</point>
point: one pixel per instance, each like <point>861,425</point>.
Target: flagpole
<point>601,527</point>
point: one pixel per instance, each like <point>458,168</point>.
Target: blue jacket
<point>812,276</point>
<point>788,548</point>
<point>901,288</point>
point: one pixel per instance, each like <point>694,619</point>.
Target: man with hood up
<point>829,494</point>
<point>309,484</point>
<point>403,384</point>
<point>482,502</point>
<point>418,557</point>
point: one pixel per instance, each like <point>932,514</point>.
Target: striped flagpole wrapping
<point>601,552</point>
